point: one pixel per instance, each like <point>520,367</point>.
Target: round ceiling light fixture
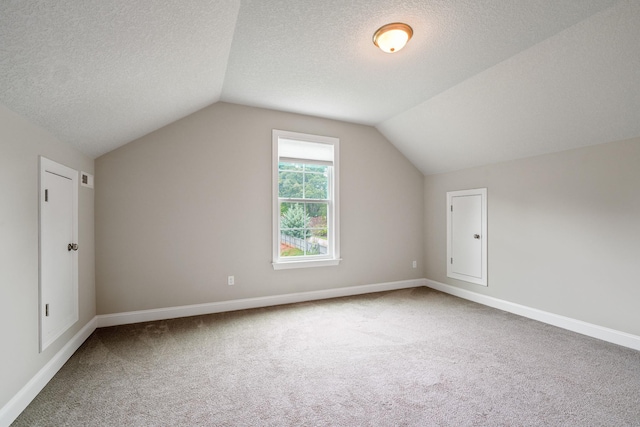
<point>391,38</point>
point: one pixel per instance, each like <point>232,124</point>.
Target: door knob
<point>72,246</point>
<point>475,236</point>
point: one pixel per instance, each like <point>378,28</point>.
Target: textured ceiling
<point>580,87</point>
<point>482,81</point>
<point>98,74</point>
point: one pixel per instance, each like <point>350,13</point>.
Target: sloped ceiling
<point>482,81</point>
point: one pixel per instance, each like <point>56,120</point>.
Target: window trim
<point>333,215</point>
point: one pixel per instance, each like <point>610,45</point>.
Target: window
<point>305,200</point>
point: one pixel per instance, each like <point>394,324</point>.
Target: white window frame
<point>332,257</point>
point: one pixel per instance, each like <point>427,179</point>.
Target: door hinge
<point>46,195</point>
<point>46,309</point>
<point>451,208</point>
<point>451,260</point>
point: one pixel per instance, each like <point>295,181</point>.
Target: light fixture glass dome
<point>391,38</point>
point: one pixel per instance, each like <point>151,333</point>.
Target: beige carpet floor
<point>414,357</point>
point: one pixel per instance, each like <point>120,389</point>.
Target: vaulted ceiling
<point>482,81</point>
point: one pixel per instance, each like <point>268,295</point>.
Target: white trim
<point>286,265</point>
<point>333,208</point>
<point>21,400</point>
<point>243,304</point>
<point>589,329</point>
<point>306,161</point>
<point>17,404</point>
<point>307,137</point>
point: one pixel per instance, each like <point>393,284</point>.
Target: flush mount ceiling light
<point>391,38</point>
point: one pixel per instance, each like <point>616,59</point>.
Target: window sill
<point>285,265</point>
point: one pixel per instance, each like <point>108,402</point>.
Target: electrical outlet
<point>415,264</point>
<point>231,280</point>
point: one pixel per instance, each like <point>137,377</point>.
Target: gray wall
<point>564,232</point>
<point>20,145</point>
<point>180,209</point>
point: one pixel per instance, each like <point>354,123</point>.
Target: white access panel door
<point>467,235</point>
<point>58,250</point>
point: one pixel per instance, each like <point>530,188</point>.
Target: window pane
<point>293,219</point>
<point>289,246</point>
<point>316,168</point>
<point>320,233</point>
<point>294,223</point>
<point>303,229</point>
<point>317,213</point>
<point>284,166</point>
<point>290,184</point>
<point>316,185</point>
<point>318,242</point>
<point>314,248</point>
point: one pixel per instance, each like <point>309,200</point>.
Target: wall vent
<point>86,180</point>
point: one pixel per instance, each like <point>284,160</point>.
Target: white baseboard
<point>21,400</point>
<point>610,335</point>
<point>242,304</point>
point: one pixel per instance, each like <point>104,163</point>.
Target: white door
<point>467,238</point>
<point>58,250</point>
